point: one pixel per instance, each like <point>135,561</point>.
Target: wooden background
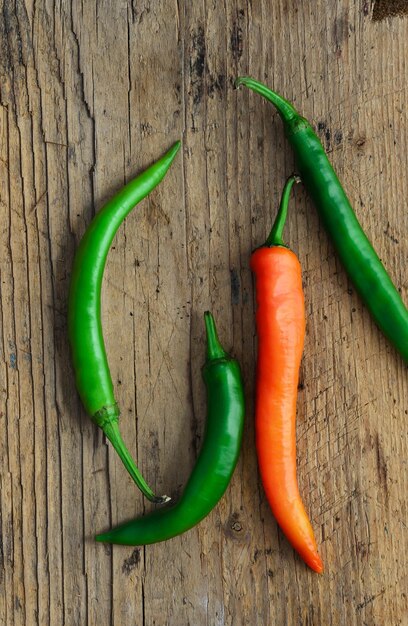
<point>91,93</point>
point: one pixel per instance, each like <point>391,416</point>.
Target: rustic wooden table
<point>91,93</point>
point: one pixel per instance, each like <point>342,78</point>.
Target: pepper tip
<point>316,564</point>
<point>175,147</point>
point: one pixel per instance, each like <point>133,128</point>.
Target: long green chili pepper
<point>355,251</point>
<point>215,463</point>
<point>93,378</point>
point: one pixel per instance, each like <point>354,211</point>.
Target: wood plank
<point>90,94</point>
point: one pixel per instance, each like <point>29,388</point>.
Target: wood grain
<point>90,94</point>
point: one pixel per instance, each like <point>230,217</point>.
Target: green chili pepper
<point>215,463</point>
<point>93,378</point>
<point>355,251</point>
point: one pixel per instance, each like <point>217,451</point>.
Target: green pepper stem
<point>111,430</point>
<point>214,348</point>
<point>285,109</point>
<point>275,236</point>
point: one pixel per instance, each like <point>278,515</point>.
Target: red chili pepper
<point>280,321</point>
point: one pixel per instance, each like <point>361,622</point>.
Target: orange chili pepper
<point>280,321</point>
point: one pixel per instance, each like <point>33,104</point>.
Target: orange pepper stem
<point>275,236</point>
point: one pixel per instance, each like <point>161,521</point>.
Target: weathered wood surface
<point>92,92</point>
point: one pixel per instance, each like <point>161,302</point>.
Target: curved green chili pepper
<point>216,461</point>
<point>93,378</point>
<point>355,251</point>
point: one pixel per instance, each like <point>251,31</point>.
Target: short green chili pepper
<point>215,463</point>
<point>354,249</point>
<point>93,378</point>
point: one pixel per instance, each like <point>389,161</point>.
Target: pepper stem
<point>111,430</point>
<point>214,348</point>
<point>285,109</point>
<point>275,236</point>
